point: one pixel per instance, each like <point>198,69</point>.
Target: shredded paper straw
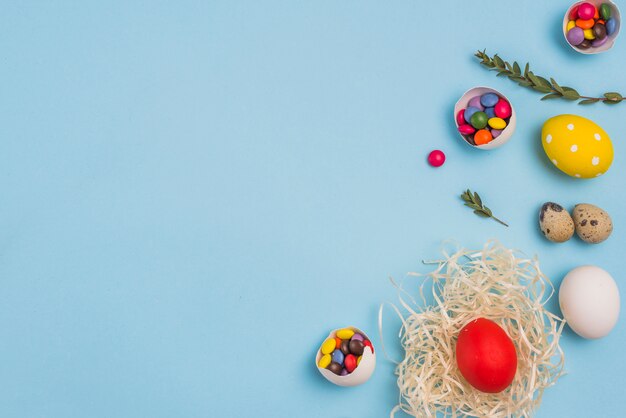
<point>498,284</point>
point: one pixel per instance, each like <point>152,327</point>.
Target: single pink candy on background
<point>436,158</point>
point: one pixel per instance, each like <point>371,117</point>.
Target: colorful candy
<point>485,114</point>
<point>345,334</point>
<point>346,349</point>
<point>588,26</point>
<point>324,361</point>
<point>586,11</point>
<point>575,36</point>
<point>328,346</point>
<point>338,357</point>
<point>436,159</point>
<point>611,26</point>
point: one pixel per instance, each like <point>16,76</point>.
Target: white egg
<point>590,301</point>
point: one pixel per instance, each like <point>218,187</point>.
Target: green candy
<point>479,120</point>
<point>605,11</point>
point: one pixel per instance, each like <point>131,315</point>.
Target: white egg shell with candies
<point>577,146</point>
<point>360,375</point>
<point>590,301</point>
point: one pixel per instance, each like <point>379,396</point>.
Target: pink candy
<point>502,109</point>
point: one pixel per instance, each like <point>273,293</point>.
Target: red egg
<point>486,356</point>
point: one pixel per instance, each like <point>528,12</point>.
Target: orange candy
<point>338,342</point>
<point>596,14</point>
<point>585,24</point>
<point>482,137</point>
<point>601,21</point>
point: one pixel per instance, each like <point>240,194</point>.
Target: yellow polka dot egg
<point>577,146</point>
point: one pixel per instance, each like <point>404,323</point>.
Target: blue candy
<point>469,112</point>
<point>491,113</point>
<point>489,99</point>
<point>611,25</point>
<point>338,356</point>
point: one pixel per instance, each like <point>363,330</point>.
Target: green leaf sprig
<point>473,201</point>
<point>550,88</point>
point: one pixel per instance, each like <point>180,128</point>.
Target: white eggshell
<point>609,43</point>
<point>590,301</point>
<point>360,375</point>
<point>506,133</point>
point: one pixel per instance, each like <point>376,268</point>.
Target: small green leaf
<point>551,96</point>
<point>477,199</point>
<point>614,97</point>
<point>588,101</point>
<point>527,69</point>
<point>542,89</point>
<point>556,86</point>
<point>498,61</point>
<point>516,68</point>
<point>571,95</point>
<point>543,82</point>
<point>481,214</point>
<point>534,79</point>
<point>504,73</point>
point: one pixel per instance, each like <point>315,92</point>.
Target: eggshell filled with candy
<point>352,360</point>
<point>472,123</point>
<point>590,301</point>
<point>577,146</point>
<point>486,356</point>
<point>592,26</point>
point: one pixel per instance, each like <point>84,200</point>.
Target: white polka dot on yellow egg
<point>581,147</point>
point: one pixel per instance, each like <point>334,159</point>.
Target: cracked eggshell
<point>363,371</point>
<point>506,133</point>
<point>593,225</point>
<point>609,43</point>
<point>555,223</point>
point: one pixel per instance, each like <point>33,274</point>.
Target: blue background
<point>194,193</point>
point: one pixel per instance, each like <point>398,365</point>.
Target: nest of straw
<point>495,283</point>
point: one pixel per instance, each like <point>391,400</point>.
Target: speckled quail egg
<point>593,225</point>
<point>555,222</point>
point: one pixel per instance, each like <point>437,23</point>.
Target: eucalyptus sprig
<point>472,200</point>
<point>550,88</point>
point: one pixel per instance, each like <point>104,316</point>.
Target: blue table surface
<point>194,193</point>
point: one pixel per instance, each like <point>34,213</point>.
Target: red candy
<point>502,109</point>
<point>466,129</point>
<point>350,363</point>
<point>573,14</point>
<point>436,158</point>
<point>586,11</point>
<point>367,343</point>
<point>460,117</point>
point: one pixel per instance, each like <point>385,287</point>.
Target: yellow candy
<point>358,360</point>
<point>324,361</point>
<point>328,346</point>
<point>589,34</point>
<point>497,123</point>
<point>577,146</point>
<point>571,24</point>
<point>345,334</point>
